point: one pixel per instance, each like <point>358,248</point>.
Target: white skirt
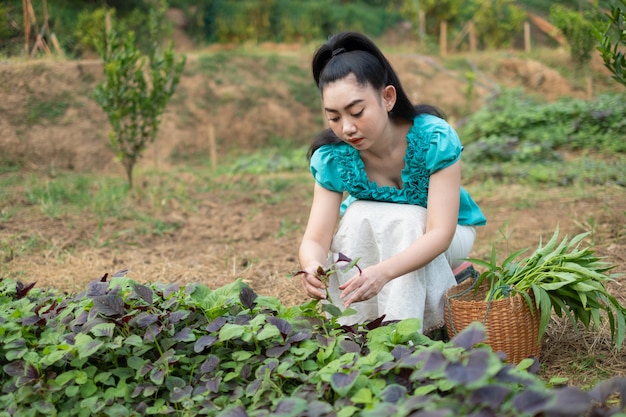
<point>374,231</point>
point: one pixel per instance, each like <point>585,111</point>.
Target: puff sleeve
<point>324,169</point>
<point>445,146</point>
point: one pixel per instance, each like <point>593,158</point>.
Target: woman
<point>406,219</point>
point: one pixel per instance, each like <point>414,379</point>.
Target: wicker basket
<point>511,326</point>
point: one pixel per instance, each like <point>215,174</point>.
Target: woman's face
<point>358,114</point>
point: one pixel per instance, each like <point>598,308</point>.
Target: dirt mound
<point>51,120</point>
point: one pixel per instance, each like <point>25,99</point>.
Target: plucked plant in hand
<point>134,97</point>
<point>562,276</point>
<point>343,263</point>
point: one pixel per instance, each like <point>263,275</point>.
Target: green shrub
<point>515,127</point>
<point>90,29</point>
<point>134,100</point>
<point>578,30</point>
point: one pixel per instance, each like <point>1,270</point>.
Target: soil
<point>252,237</point>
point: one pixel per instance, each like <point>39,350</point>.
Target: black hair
<point>353,53</point>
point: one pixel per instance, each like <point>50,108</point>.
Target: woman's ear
<point>389,97</point>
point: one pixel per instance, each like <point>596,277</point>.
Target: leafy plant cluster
<point>126,349</point>
<point>516,127</point>
<point>561,276</point>
<point>612,39</point>
<point>578,29</point>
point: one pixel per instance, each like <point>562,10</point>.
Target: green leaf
<point>331,309</point>
<point>268,332</point>
<point>542,298</point>
<point>88,389</point>
<point>44,407</point>
<point>241,355</point>
<point>230,331</point>
<point>362,396</point>
<point>86,346</point>
<point>103,330</point>
<point>408,327</point>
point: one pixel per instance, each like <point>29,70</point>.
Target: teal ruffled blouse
<point>432,144</point>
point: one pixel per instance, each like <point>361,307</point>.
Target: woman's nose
<point>348,127</point>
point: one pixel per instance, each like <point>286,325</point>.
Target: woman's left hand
<point>363,286</point>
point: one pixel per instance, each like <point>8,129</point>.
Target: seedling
<point>323,274</point>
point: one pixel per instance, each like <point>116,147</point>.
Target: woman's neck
<point>393,140</point>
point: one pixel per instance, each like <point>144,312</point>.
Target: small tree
<point>612,40</point>
<point>133,97</point>
<point>578,30</point>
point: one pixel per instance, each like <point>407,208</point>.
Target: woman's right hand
<point>313,286</point>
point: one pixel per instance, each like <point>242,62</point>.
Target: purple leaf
<point>284,327</point>
<point>531,402</point>
<point>185,335</point>
<point>290,407</point>
<point>15,368</point>
<point>491,395</point>
<point>109,305</point>
<point>170,289</point>
<point>204,342</point>
<point>178,394</point>
<point>237,411</point>
<point>145,370</point>
<point>470,336</point>
<point>277,351</point>
<point>400,352</point>
<point>144,319</point>
<point>158,376</point>
<point>213,384</point>
<point>343,382</point>
<point>209,364</point>
<point>476,368</point>
<point>151,333</point>
<point>216,324</point>
<point>22,290</point>
<point>433,360</point>
<point>247,297</point>
<point>145,293</point>
<point>299,336</point>
<point>253,387</point>
<point>176,317</point>
<point>376,323</point>
<point>393,393</point>
<point>604,389</point>
<point>349,346</point>
<point>570,401</point>
<point>319,408</point>
<point>343,258</point>
<point>97,289</point>
<point>120,274</point>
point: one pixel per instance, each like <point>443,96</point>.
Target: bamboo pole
<point>472,36</point>
<point>526,36</point>
<point>26,26</point>
<point>212,146</point>
<point>443,38</point>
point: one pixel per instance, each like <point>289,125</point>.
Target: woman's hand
<point>363,286</point>
<point>313,286</point>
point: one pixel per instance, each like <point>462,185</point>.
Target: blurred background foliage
<point>78,23</point>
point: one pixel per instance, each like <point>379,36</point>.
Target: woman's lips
<point>355,141</point>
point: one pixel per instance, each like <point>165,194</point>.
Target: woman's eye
<point>357,114</point>
<point>334,119</point>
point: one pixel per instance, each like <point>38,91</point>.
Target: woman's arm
<point>318,236</point>
<point>441,222</point>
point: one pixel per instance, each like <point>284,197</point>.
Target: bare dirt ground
<point>250,236</point>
